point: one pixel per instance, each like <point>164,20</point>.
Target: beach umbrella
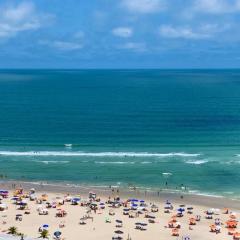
<point>181,209</point>
<point>210,212</point>
<point>102,204</point>
<point>133,200</point>
<point>142,201</point>
<point>119,232</point>
<point>45,226</point>
<point>126,209</point>
<point>57,234</point>
<point>15,198</point>
<point>3,205</point>
<point>76,199</point>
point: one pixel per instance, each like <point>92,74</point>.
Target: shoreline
<point>154,196</point>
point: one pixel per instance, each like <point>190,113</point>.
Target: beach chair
<point>107,220</point>
<point>225,211</point>
<point>175,232</point>
<point>236,236</point>
<point>192,221</point>
<point>151,220</point>
<point>212,228</point>
<point>198,218</point>
<point>171,224</point>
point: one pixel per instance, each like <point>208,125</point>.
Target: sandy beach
<point>101,221</point>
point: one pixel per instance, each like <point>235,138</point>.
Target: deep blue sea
<point>126,127</point>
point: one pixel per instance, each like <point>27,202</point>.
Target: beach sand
<point>99,229</point>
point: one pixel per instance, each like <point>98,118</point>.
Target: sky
<point>120,34</point>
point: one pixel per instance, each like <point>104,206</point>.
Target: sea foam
<point>197,162</point>
<point>97,154</point>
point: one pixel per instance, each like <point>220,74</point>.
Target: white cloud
<point>217,6</point>
<point>144,6</point>
<point>135,46</point>
<point>79,35</point>
<point>67,46</point>
<point>186,32</point>
<point>124,32</point>
<point>19,18</point>
<point>179,32</point>
<point>62,45</point>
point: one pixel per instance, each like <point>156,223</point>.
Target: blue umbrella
<point>181,209</point>
<point>57,234</point>
<point>15,198</point>
<point>142,201</point>
<point>3,191</point>
<point>45,226</point>
<point>134,205</point>
<point>76,199</point>
<point>134,200</point>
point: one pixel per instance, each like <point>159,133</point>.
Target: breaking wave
<point>98,154</point>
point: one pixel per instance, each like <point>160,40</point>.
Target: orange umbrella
<point>192,221</point>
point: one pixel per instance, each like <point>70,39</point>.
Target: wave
<point>53,162</point>
<point>231,162</point>
<point>114,162</point>
<point>98,154</point>
<point>167,174</point>
<point>197,162</point>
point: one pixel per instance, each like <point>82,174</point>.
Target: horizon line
<point>78,69</point>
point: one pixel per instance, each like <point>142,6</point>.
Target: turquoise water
<point>126,127</point>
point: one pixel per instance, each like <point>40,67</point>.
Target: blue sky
<point>120,34</point>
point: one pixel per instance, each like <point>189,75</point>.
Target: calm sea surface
<point>126,127</point>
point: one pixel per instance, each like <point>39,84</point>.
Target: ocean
<point>155,129</point>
